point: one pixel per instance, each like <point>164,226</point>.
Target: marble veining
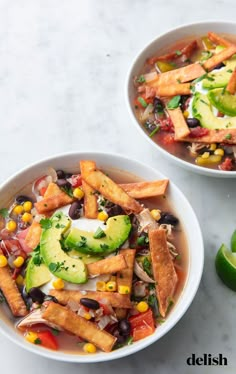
<point>62,71</point>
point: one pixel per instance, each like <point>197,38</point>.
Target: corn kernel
<point>101,286</point>
<point>18,262</point>
<point>20,280</point>
<point>156,214</point>
<point>102,216</point>
<point>186,114</point>
<point>111,286</point>
<point>27,217</point>
<point>219,152</point>
<point>31,336</point>
<point>213,147</point>
<point>27,206</point>
<point>87,316</point>
<point>78,193</point>
<point>11,226</point>
<point>89,348</point>
<point>124,290</point>
<point>205,154</point>
<point>18,210</point>
<point>58,284</point>
<point>3,261</point>
<point>142,306</point>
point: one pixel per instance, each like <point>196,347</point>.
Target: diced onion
<point>141,273</point>
<point>150,76</point>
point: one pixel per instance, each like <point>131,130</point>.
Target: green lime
<point>233,241</point>
<point>225,263</point>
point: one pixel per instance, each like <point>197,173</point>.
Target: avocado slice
<point>223,101</point>
<point>117,232</point>
<point>87,259</point>
<point>36,275</point>
<point>202,110</point>
<point>220,78</point>
<point>59,263</point>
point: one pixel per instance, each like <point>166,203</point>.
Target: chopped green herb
<point>174,102</point>
<point>4,213</point>
<point>142,240</point>
<point>45,223</point>
<point>53,267</point>
<point>104,246</point>
<point>200,78</point>
<point>68,191</point>
<point>99,233</point>
<point>37,259</point>
<point>147,266</point>
<point>141,79</point>
<point>178,52</point>
<point>129,341</point>
<point>142,102</point>
<point>154,131</point>
<point>38,341</point>
<point>55,332</point>
<point>228,136</point>
<point>230,71</point>
<point>151,300</point>
<point>202,101</point>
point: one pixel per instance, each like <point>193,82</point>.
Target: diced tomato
<point>47,340</point>
<point>42,191</point>
<point>21,237</point>
<point>227,164</point>
<point>142,325</point>
<point>107,308</point>
<point>76,180</point>
<point>168,139</point>
<point>198,132</point>
<point>13,247</point>
<point>166,125</point>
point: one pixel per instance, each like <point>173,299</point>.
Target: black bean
<point>89,303</point>
<point>219,66</point>
<point>168,219</point>
<point>60,174</point>
<point>37,295</point>
<point>68,175</point>
<point>183,101</point>
<point>51,298</point>
<point>74,211</point>
<point>63,183</point>
<point>21,199</point>
<point>124,327</point>
<point>114,211</point>
<point>120,338</point>
<point>158,106</point>
<point>193,122</point>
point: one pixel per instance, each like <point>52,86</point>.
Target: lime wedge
<point>225,264</point>
<point>233,241</point>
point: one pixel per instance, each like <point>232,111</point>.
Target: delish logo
<point>207,360</point>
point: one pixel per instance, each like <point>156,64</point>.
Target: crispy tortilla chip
<point>114,298</point>
<point>11,292</point>
<point>186,51</point>
<point>53,202</point>
<point>125,276</point>
<point>32,238</point>
<point>52,190</point>
<point>215,38</point>
<point>90,200</point>
<point>227,136</point>
<point>77,325</point>
<point>107,266</point>
<point>219,57</point>
<point>143,190</point>
<point>163,269</point>
<point>171,89</point>
<point>231,86</point>
<point>180,125</point>
<point>111,191</point>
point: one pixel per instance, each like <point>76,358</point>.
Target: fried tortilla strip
<point>77,325</point>
<point>231,86</point>
<point>219,57</point>
<point>107,266</point>
<point>114,298</point>
<point>52,190</point>
<point>181,75</point>
<point>163,269</point>
<point>143,190</point>
<point>227,136</point>
<point>53,202</point>
<point>32,238</point>
<point>186,51</point>
<point>11,292</point>
<point>111,191</point>
<point>215,38</point>
<point>90,200</point>
<point>173,89</point>
<point>180,125</point>
<point>125,276</point>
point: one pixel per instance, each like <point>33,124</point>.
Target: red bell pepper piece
<point>47,340</point>
<point>142,325</point>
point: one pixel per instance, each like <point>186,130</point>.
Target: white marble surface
<point>62,70</point>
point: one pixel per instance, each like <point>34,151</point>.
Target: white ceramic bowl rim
<point>196,255</point>
<point>129,79</point>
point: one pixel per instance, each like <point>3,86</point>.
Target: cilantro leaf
<point>45,223</point>
<point>4,213</point>
<point>99,233</point>
<point>174,102</point>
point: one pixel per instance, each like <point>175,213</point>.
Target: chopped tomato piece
<point>142,325</point>
<point>227,164</point>
<point>47,340</point>
<point>168,139</point>
<point>42,191</point>
<point>198,132</point>
<point>76,180</point>
<point>166,125</point>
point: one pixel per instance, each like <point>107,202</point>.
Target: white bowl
<point>151,49</point>
<point>70,162</point>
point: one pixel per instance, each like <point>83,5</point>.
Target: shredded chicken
<point>146,221</point>
<point>195,147</point>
